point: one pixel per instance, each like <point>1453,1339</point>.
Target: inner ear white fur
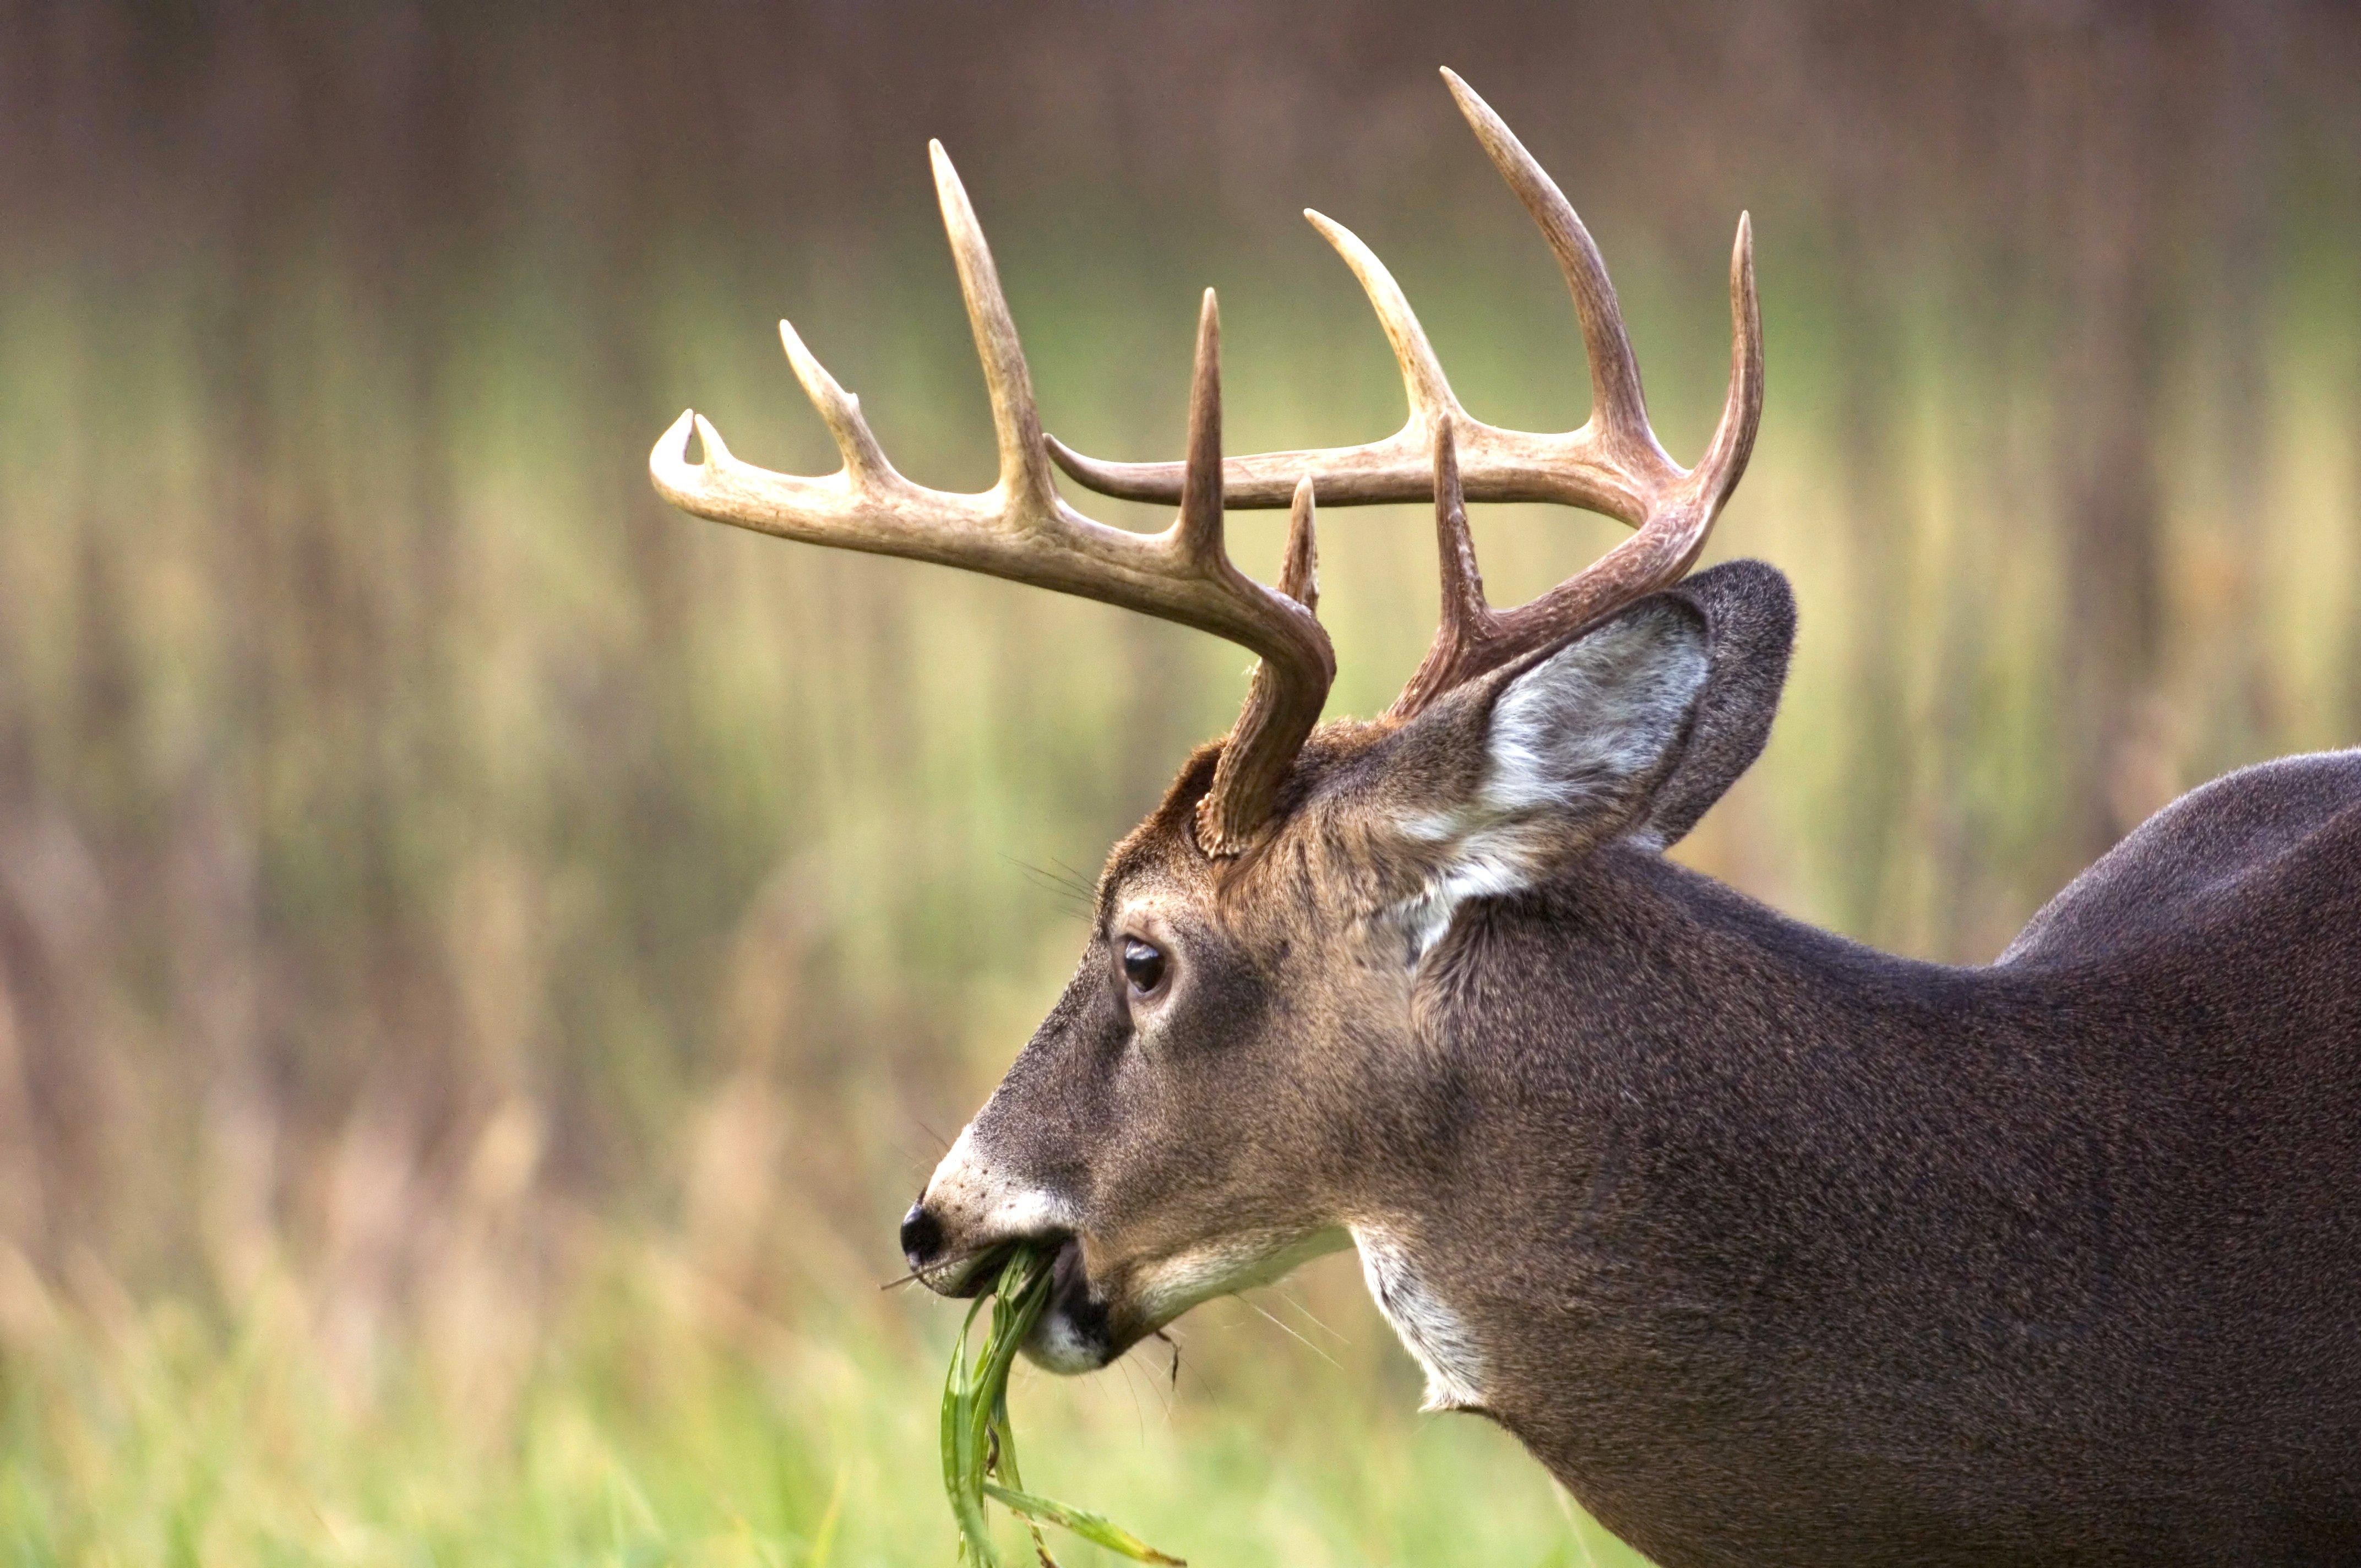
<point>1567,742</point>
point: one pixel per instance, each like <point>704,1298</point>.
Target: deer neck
<point>1597,1066</point>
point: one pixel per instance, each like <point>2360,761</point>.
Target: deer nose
<point>922,1236</point>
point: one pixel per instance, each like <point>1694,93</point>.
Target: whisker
<point>1574,1525</point>
<point>937,1268</point>
<point>1071,892</point>
<point>1139,1411</point>
<point>1289,1330</point>
<point>1311,1317</point>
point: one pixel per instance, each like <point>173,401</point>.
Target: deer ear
<point>1576,740</point>
<point>1628,733</point>
<point>1749,618</point>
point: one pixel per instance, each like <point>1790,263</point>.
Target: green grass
<point>643,1430</point>
<point>979,1436</point>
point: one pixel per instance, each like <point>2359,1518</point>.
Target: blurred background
<point>485,959</point>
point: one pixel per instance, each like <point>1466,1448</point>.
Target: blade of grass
<point>1097,1528</point>
<point>979,1440</point>
<point>963,1463</point>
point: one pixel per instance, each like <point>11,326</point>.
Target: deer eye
<point>1143,965</point>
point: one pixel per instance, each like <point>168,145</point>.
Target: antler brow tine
<point>1021,529</point>
<point>1612,465</point>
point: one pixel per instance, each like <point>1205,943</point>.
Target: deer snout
<point>973,1206</point>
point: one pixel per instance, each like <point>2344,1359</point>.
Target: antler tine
<point>1022,530</point>
<point>864,460</point>
<point>1299,575</point>
<point>1466,620</point>
<point>1016,419</point>
<point>1199,527</point>
<point>1432,402</point>
<point>1724,463</point>
<point>1619,407</point>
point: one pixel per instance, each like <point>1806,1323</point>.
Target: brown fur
<point>1777,1250</point>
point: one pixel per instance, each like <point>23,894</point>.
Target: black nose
<point>922,1236</point>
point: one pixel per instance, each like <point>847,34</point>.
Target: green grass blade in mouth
<point>963,1467</point>
<point>978,1441</point>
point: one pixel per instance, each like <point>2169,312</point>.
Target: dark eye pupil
<point>1142,964</point>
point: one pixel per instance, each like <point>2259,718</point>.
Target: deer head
<point>1236,1066</point>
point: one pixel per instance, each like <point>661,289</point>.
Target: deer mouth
<point>1073,1333</point>
<point>965,1277</point>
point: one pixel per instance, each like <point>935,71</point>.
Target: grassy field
<point>652,1424</point>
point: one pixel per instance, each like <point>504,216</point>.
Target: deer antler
<point>1612,465</point>
<point>1022,530</point>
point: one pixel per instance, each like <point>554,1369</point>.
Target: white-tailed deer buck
<point>1774,1249</point>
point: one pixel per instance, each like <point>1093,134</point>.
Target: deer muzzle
<point>972,1209</point>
